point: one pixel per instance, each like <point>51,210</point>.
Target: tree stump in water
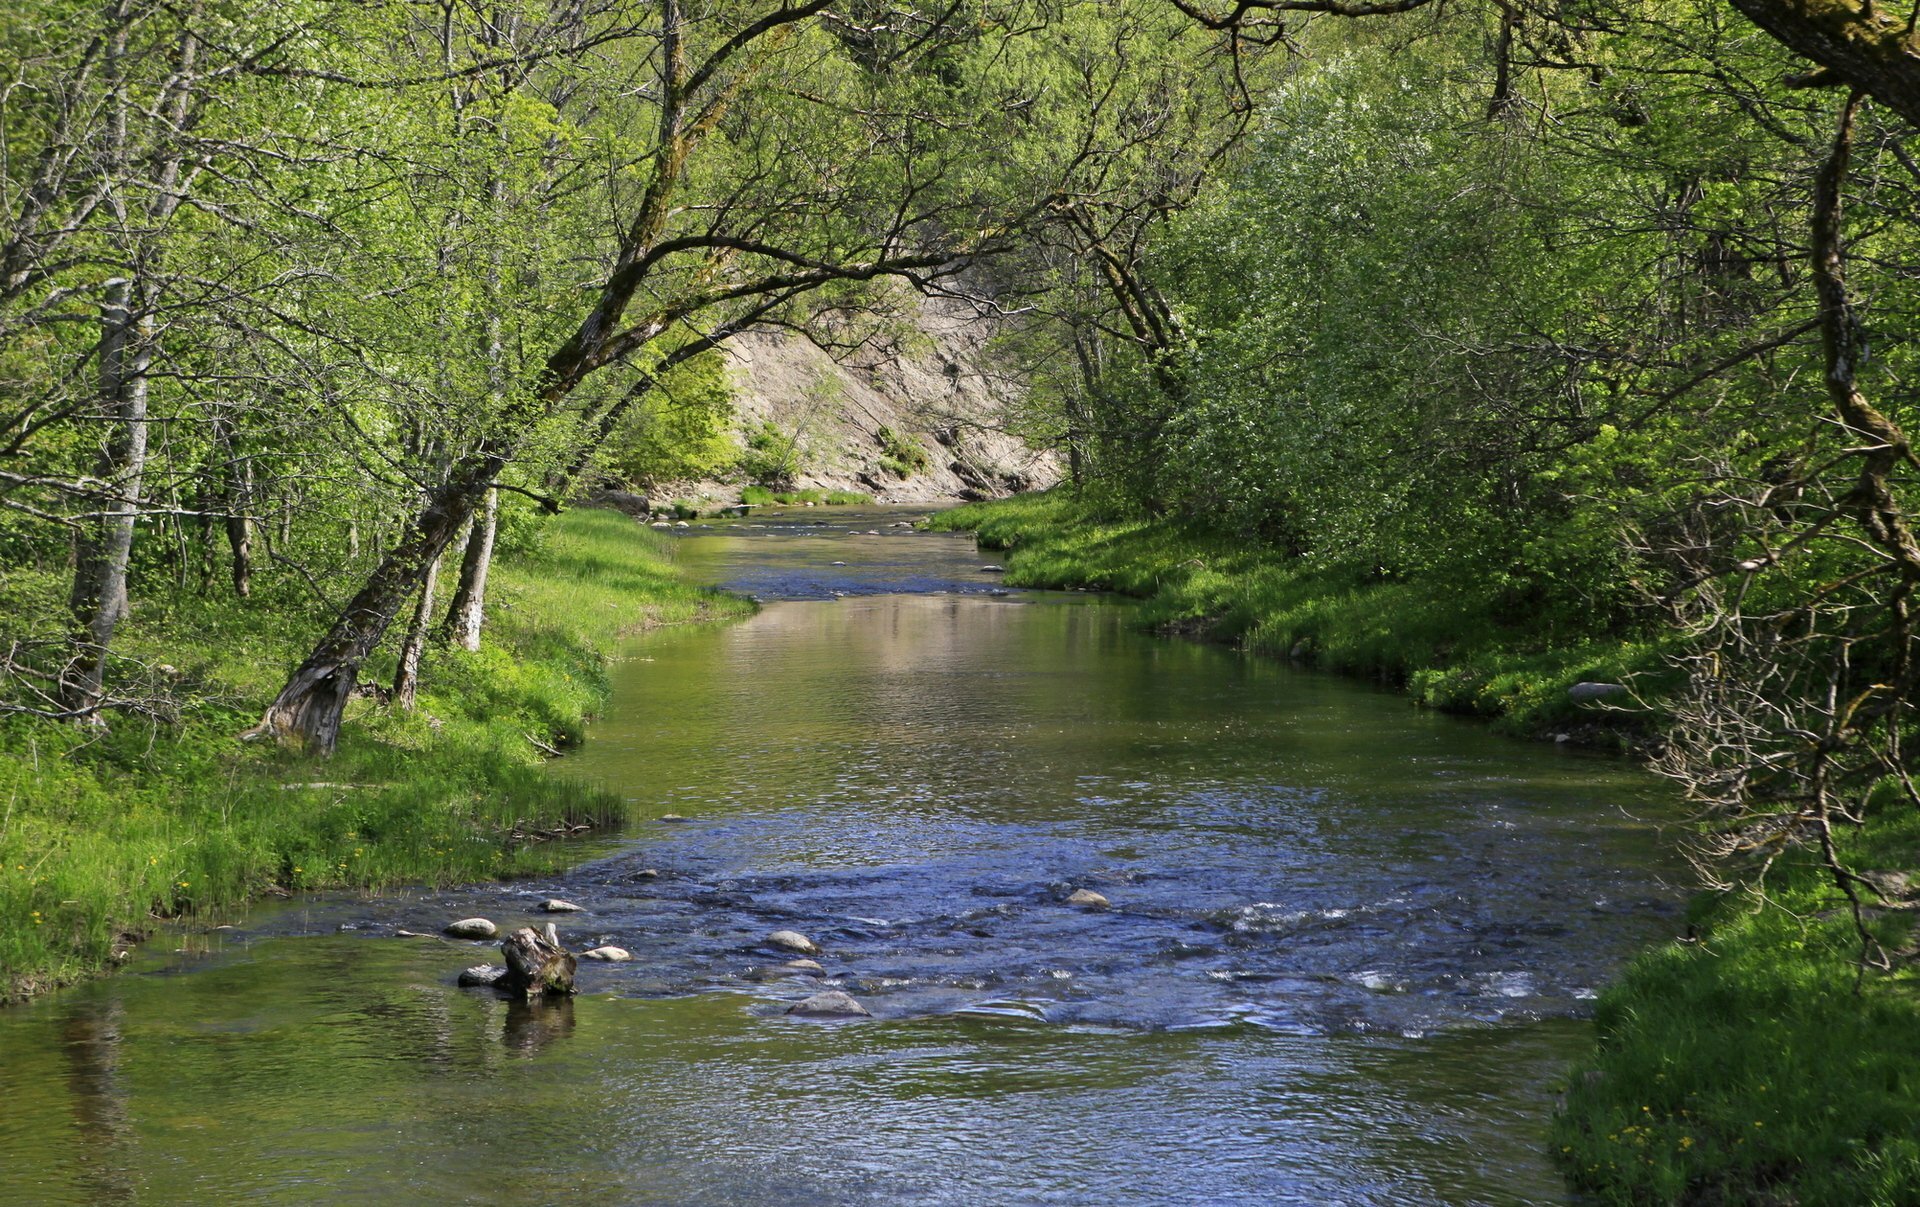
<point>537,964</point>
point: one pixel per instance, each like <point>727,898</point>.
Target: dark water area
<point>1350,946</point>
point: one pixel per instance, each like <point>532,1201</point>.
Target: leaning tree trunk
<point>99,596</point>
<point>307,711</point>
<point>406,680</point>
<point>467,614</point>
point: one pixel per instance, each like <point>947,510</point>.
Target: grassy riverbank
<point>101,834</point>
<point>1743,1067</point>
<point>1739,1067</point>
<point>1447,648</point>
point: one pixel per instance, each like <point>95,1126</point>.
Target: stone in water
<point>831,1004</point>
<point>472,928</point>
<point>793,940</point>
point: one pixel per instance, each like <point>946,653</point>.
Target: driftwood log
<point>537,964</point>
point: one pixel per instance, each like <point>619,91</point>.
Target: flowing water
<point>1349,948</point>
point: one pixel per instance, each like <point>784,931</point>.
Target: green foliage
<point>682,429</point>
<point>901,455</point>
<point>771,458</point>
<point>98,833</point>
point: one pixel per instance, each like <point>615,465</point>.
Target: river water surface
<point>1350,946</point>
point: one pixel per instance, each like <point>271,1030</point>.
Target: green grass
<point>761,496</point>
<point>1744,1068</point>
<point>1442,645</point>
<point>100,836</point>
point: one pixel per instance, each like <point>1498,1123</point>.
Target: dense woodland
<point>1601,313</point>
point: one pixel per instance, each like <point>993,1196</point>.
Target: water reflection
<point>529,1025</point>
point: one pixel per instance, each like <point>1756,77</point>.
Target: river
<point>1349,949</point>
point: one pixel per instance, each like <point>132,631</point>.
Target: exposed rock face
<point>830,1004</point>
<point>941,389</point>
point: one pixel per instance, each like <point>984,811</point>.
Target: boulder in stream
<point>472,928</point>
<point>553,905</point>
<point>482,976</point>
<point>793,940</point>
<point>611,954</point>
<point>830,1004</point>
<point>1088,898</point>
<point>804,968</point>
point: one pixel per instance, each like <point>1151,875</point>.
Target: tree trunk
<point>236,480</point>
<point>1869,47</point>
<point>99,597</point>
<point>467,614</point>
<point>537,964</point>
<point>1844,343</point>
<point>406,680</point>
<point>307,710</point>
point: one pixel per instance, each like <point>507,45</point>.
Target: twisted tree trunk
<point>537,964</point>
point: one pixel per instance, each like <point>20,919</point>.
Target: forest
<point>1579,330</point>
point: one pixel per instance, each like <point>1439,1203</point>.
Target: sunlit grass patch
<point>1752,1064</point>
<point>102,836</point>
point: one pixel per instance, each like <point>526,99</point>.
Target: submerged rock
<point>831,1004</point>
<point>482,976</point>
<point>553,905</point>
<point>1088,898</point>
<point>786,972</point>
<point>610,954</point>
<point>472,928</point>
<point>793,940</point>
